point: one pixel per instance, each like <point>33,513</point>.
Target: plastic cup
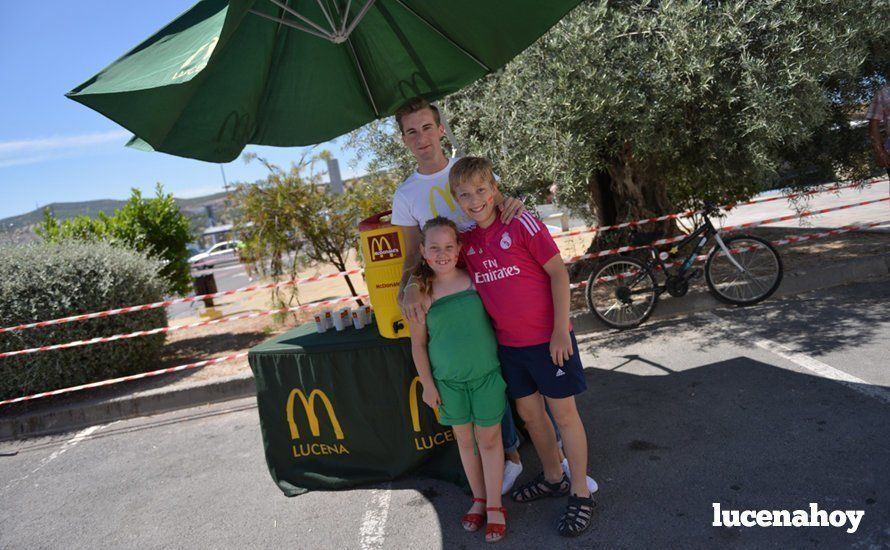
<point>366,314</point>
<point>342,319</point>
<point>320,324</point>
<point>358,319</point>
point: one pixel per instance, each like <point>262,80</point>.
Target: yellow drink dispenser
<point>383,251</point>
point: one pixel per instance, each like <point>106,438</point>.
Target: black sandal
<point>577,516</point>
<point>540,488</point>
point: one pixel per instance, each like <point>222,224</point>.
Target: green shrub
<point>51,280</point>
<point>154,226</point>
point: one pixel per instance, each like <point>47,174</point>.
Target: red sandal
<point>474,520</point>
<point>495,532</point>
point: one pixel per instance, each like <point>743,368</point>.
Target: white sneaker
<point>591,483</point>
<point>511,473</point>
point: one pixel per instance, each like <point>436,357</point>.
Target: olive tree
<point>292,216</point>
<point>635,109</point>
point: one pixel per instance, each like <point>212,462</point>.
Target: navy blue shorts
<point>529,369</point>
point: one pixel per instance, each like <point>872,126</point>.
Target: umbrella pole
<point>456,149</point>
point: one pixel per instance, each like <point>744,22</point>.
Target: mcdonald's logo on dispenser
<point>384,247</point>
<point>424,442</point>
<point>383,251</point>
<point>308,406</point>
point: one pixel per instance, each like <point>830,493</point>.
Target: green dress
<point>463,354</point>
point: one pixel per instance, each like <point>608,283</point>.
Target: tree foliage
<point>290,218</point>
<point>638,108</point>
<point>154,226</point>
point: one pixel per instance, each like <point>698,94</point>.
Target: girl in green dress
<point>456,357</point>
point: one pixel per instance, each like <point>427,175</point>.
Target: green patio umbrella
<point>298,72</point>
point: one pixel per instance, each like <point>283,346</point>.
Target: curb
<point>100,411</point>
<point>793,282</point>
<point>72,416</point>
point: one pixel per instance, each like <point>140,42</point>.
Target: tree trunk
<point>340,264</point>
<point>602,199</point>
<point>623,192</point>
<point>637,196</point>
<point>352,288</point>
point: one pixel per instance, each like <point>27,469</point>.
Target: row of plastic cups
<point>342,318</point>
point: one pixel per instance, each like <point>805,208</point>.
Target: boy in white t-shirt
<point>425,194</point>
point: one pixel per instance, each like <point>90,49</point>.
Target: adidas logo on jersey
<point>471,251</point>
<point>560,372</point>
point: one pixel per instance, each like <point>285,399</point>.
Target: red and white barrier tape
<point>160,330</point>
<point>803,214</point>
<point>689,213</point>
<point>625,224</point>
<point>812,236</point>
<point>725,229</point>
<point>199,364</point>
<point>207,362</point>
<point>167,303</point>
<point>780,242</point>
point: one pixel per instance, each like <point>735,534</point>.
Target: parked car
<point>226,251</point>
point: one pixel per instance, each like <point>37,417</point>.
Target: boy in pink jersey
<point>523,283</point>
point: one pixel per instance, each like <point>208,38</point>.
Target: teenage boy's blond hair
<point>468,169</point>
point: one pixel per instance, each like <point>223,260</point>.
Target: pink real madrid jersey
<point>506,263</point>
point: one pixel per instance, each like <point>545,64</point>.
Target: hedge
<point>51,280</point>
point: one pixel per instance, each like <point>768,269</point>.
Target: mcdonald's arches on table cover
<point>340,409</point>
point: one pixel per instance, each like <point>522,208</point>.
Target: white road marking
<point>814,365</point>
<point>826,371</point>
<point>78,437</point>
<point>374,523</point>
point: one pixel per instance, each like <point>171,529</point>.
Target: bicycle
<point>740,270</point>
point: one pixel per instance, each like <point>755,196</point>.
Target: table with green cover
<point>339,409</point>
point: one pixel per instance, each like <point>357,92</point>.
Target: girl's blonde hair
<point>423,273</point>
<point>468,169</point>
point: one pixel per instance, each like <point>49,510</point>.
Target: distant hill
<point>21,228</point>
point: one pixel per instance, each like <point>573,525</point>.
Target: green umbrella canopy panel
<point>292,73</point>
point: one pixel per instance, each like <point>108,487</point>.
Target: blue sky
<point>55,150</point>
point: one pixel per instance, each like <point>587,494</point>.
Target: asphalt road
<point>228,276</point>
<point>772,407</point>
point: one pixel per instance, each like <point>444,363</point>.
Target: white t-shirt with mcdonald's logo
<point>422,197</point>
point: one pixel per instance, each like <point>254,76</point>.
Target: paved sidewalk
<point>879,211</point>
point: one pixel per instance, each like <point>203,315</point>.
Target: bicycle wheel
<point>758,278</point>
<point>621,293</point>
